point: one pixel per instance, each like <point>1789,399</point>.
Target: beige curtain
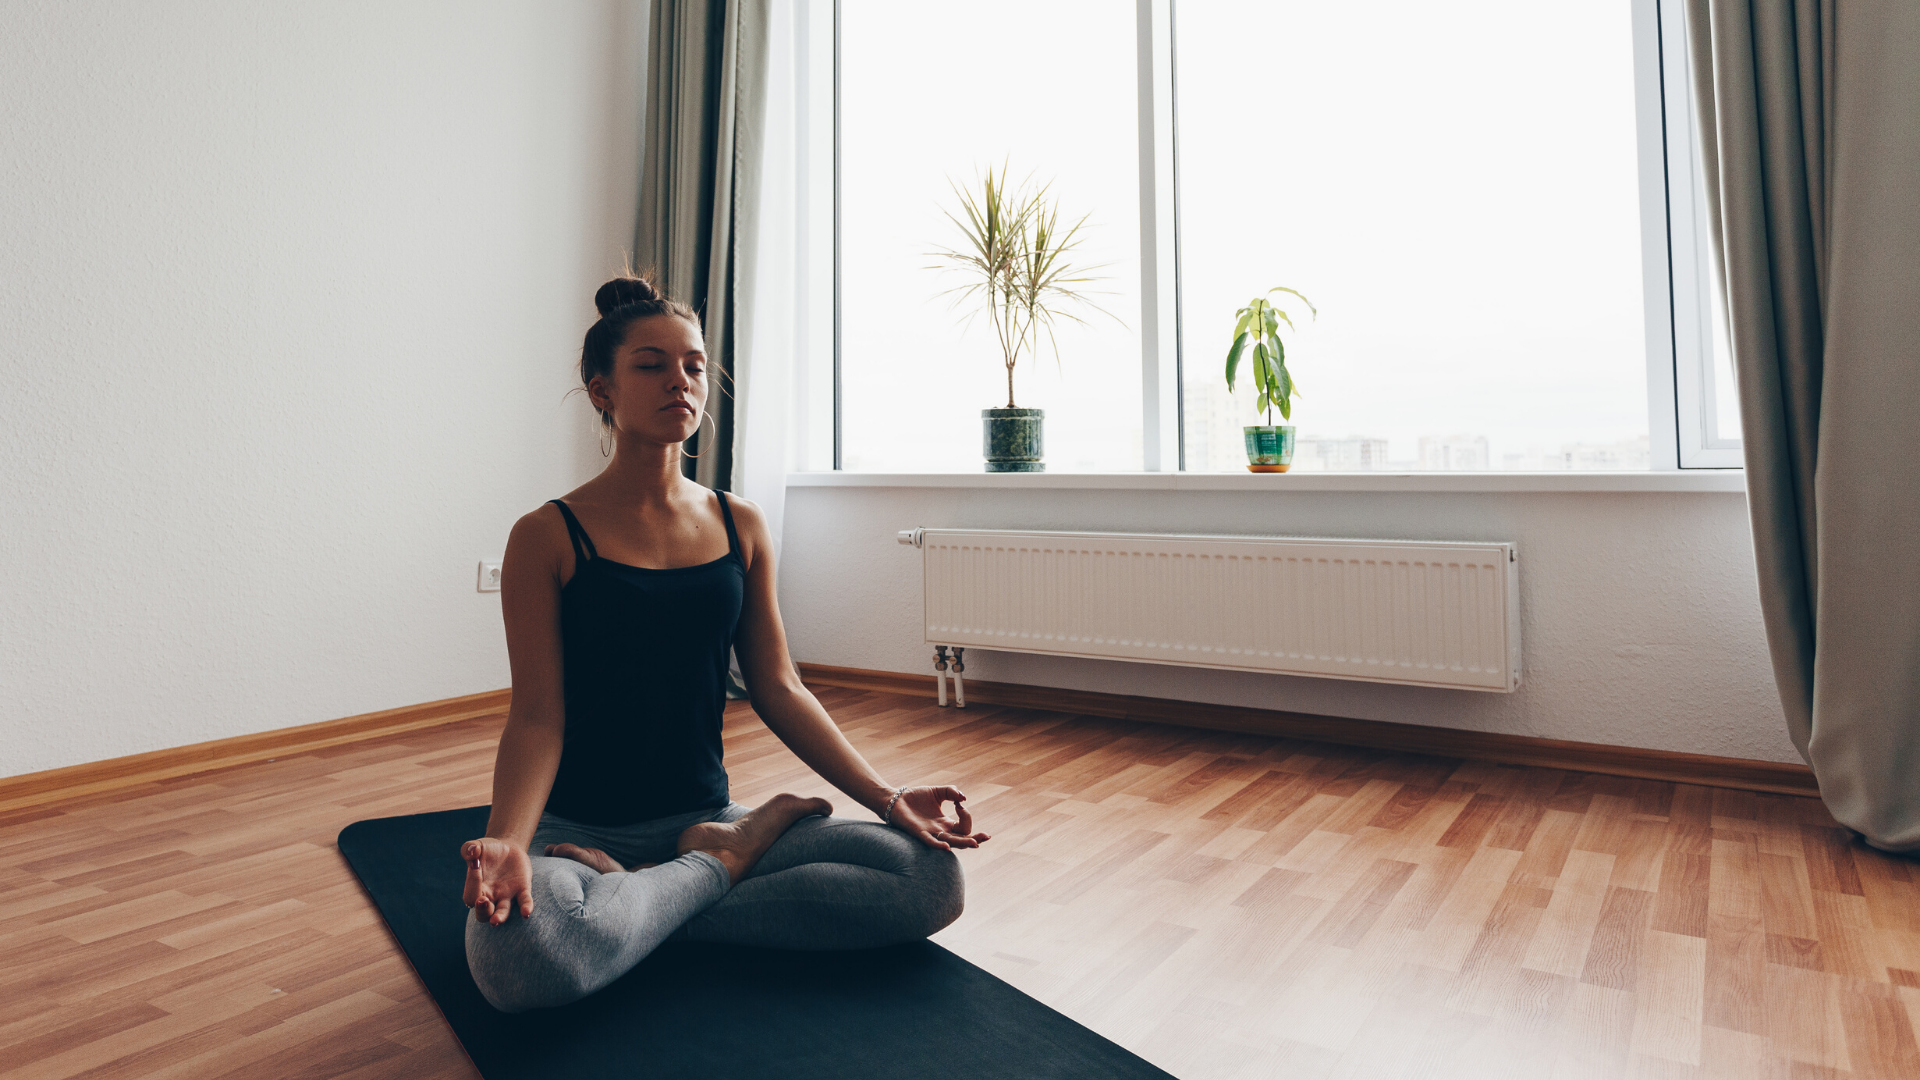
<point>699,182</point>
<point>1810,112</point>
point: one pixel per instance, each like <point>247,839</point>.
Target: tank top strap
<point>733,537</point>
<point>583,551</point>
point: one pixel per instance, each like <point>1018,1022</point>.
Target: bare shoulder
<point>540,536</point>
<point>746,513</point>
<point>541,521</point>
<point>752,526</point>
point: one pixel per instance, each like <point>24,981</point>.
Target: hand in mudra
<point>918,810</point>
<point>499,875</point>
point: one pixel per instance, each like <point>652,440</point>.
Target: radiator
<point>1424,613</point>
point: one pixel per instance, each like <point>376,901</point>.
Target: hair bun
<point>622,291</point>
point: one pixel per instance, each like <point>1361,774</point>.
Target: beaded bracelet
<point>888,816</point>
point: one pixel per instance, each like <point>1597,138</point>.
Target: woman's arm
<point>499,874</point>
<point>792,712</point>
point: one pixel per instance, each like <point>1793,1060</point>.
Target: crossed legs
<point>803,882</point>
<point>836,883</point>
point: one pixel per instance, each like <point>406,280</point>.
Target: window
<point>1691,370</point>
<point>934,93</point>
<point>1460,200</point>
<point>1496,208</point>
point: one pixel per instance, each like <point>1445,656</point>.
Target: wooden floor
<point>1226,905</point>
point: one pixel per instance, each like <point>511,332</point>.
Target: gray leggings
<point>828,883</point>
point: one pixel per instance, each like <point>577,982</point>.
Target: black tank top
<point>646,656</point>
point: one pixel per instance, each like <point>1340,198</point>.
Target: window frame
<point>1681,388</point>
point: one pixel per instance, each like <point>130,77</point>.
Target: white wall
<point>293,294</point>
<point>1639,610</point>
<point>292,298</point>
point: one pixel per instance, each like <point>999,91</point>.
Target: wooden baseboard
<point>94,777</point>
<point>1771,776</point>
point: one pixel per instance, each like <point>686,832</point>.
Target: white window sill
<point>1684,480</point>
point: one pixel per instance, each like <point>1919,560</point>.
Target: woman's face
<point>659,381</point>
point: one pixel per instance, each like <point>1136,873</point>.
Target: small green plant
<point>1022,261</point>
<point>1259,327</point>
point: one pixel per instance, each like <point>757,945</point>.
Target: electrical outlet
<point>489,576</point>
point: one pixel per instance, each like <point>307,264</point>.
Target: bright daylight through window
<point>1456,188</point>
<point>932,94</point>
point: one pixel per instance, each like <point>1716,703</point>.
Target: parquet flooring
<point>1226,905</point>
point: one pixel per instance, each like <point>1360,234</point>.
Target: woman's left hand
<point>919,811</point>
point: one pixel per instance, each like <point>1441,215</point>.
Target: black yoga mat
<point>709,1011</point>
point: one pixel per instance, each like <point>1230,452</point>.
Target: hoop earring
<point>716,430</point>
<point>606,443</point>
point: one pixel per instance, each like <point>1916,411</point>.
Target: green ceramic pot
<point>1269,448</point>
<point>1011,439</point>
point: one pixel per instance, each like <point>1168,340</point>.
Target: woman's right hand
<point>499,877</point>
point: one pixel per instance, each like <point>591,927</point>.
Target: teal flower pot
<point>1269,448</point>
<point>1011,439</point>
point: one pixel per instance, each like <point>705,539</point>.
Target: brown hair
<point>622,302</point>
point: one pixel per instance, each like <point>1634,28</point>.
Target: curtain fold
<point>701,160</point>
<point>1810,121</point>
<point>770,346</point>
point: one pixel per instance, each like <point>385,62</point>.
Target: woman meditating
<point>611,828</point>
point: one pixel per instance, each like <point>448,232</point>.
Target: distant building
<point>1455,453</point>
<point>1315,453</point>
<point>1628,454</point>
<point>1215,442</point>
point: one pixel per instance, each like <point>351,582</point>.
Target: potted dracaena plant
<point>1256,336</point>
<point>1026,276</point>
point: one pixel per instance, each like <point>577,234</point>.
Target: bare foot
<point>593,857</point>
<point>739,844</point>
